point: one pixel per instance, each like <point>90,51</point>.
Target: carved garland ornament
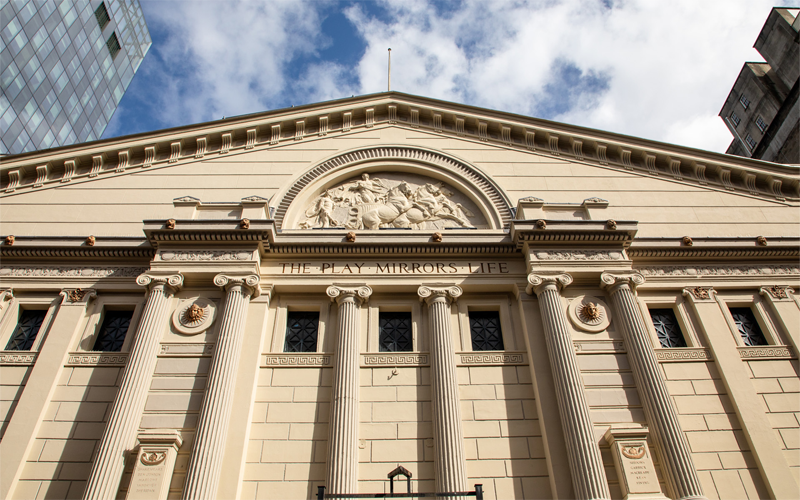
<point>633,451</point>
<point>153,457</point>
<point>194,316</point>
<point>589,314</point>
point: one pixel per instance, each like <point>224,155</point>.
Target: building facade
<point>263,305</point>
<point>762,111</point>
<point>66,65</point>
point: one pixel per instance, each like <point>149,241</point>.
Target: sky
<point>657,69</point>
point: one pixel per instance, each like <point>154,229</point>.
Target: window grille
<point>112,333</point>
<point>25,333</point>
<point>301,332</point>
<point>762,125</point>
<point>102,15</point>
<point>744,101</point>
<point>113,45</point>
<point>395,331</point>
<point>667,328</point>
<point>750,142</point>
<point>735,119</point>
<point>485,329</point>
<point>748,326</point>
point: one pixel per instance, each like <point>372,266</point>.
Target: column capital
<point>5,295</point>
<point>338,293</point>
<point>171,281</point>
<point>431,293</point>
<point>249,282</point>
<point>699,293</point>
<point>537,282</point>
<point>775,292</point>
<point>612,281</point>
<point>77,295</point>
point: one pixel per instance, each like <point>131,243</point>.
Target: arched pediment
<point>403,187</point>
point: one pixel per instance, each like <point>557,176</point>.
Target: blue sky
<point>653,69</point>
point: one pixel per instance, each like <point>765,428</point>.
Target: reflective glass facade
<point>60,82</point>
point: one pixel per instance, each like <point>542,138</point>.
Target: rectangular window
<point>113,331</point>
<point>751,143</point>
<point>735,119</point>
<point>301,331</point>
<point>667,328</point>
<point>484,326</point>
<point>25,333</point>
<point>395,331</point>
<point>744,101</point>
<point>747,325</point>
<point>113,45</point>
<point>102,15</point>
<point>762,125</point>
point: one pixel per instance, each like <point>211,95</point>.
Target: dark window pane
<point>113,45</point>
<point>667,328</point>
<point>486,332</point>
<point>112,333</point>
<point>25,333</point>
<point>102,15</point>
<point>301,332</point>
<point>748,326</point>
<point>395,330</point>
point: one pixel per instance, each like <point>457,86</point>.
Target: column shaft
<point>342,475</point>
<point>671,445</point>
<point>119,436</point>
<point>586,465</point>
<point>205,465</point>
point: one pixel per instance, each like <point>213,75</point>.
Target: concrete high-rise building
<point>762,111</point>
<point>65,67</point>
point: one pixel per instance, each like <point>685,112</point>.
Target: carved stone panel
<point>155,461</point>
<point>391,200</point>
<point>634,463</point>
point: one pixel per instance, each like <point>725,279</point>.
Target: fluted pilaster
<point>448,436</point>
<point>205,465</point>
<point>671,445</point>
<point>343,439</point>
<point>119,436</point>
<point>586,465</point>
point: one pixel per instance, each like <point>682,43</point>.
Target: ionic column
<point>671,445</point>
<point>783,303</point>
<point>208,449</point>
<point>448,437</point>
<point>119,436</point>
<point>586,465</point>
<point>343,439</point>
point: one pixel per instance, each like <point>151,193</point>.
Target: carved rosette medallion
<point>194,316</point>
<point>153,457</point>
<point>589,314</point>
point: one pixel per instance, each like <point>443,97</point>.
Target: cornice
<point>714,248</point>
<point>85,162</point>
<point>546,232</point>
<point>77,247</point>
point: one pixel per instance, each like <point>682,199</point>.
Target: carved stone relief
<point>194,316</point>
<point>391,201</point>
<point>589,314</point>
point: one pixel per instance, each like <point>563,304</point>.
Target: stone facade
<point>532,266</point>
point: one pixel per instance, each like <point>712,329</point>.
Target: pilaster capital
<point>538,282</point>
<point>6,294</point>
<point>431,293</point>
<point>359,294</point>
<point>172,282</point>
<point>77,295</point>
<point>699,293</point>
<point>248,282</point>
<point>612,281</point>
<point>775,292</point>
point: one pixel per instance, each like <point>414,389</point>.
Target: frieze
<point>96,359</point>
<point>683,354</point>
<point>579,255</point>
<point>765,270</point>
<point>296,360</point>
<point>185,349</point>
<point>205,255</point>
<point>72,272</point>
<point>491,358</point>
<point>17,358</point>
<point>765,352</point>
<point>394,359</point>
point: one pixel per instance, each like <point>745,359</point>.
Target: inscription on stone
<point>430,268</point>
<point>634,464</point>
<point>148,481</point>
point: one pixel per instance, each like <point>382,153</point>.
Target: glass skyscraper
<point>64,67</point>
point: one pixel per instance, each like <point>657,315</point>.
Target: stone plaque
<point>152,472</point>
<point>634,464</point>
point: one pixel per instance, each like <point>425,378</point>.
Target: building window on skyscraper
<point>735,119</point>
<point>750,142</point>
<point>744,101</point>
<point>101,13</point>
<point>113,45</point>
<point>762,125</point>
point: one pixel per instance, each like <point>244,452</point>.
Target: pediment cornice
<point>274,129</point>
